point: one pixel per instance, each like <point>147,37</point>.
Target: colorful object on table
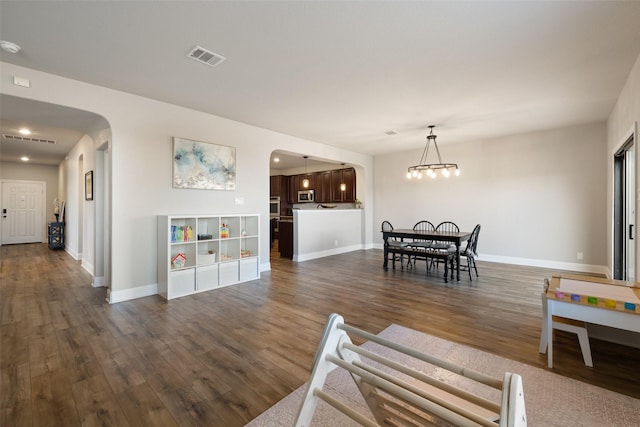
<point>559,295</point>
<point>609,303</point>
<point>592,300</point>
<point>629,306</point>
<point>575,297</point>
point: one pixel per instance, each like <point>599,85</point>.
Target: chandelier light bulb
<point>457,172</point>
<point>445,172</point>
<point>434,175</point>
<point>408,175</point>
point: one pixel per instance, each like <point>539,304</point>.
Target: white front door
<point>22,211</point>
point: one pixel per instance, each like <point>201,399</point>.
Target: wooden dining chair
<point>445,227</point>
<point>470,252</point>
<point>394,246</point>
<point>421,244</point>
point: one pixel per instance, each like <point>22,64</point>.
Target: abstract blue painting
<point>203,166</point>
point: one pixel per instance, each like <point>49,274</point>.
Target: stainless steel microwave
<point>306,196</point>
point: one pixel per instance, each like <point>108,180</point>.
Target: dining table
<point>407,234</point>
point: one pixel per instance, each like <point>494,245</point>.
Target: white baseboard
<point>133,293</point>
<point>87,266</point>
<point>543,263</point>
<point>98,282</point>
<point>73,253</point>
<point>329,252</point>
<point>265,266</point>
<point>556,265</point>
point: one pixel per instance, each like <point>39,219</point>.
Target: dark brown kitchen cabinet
<point>327,186</point>
<point>275,186</point>
<point>285,239</point>
<point>279,187</point>
<point>294,184</point>
<point>311,185</point>
<point>349,178</point>
<point>322,182</point>
<point>343,188</point>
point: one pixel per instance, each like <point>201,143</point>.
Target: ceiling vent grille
<point>27,139</point>
<point>205,56</point>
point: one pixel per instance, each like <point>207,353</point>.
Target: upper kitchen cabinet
<point>327,185</point>
<point>279,186</point>
<point>322,181</point>
<point>343,185</point>
<point>294,186</point>
<point>275,181</point>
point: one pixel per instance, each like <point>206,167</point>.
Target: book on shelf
<point>181,233</point>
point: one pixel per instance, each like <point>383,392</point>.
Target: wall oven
<point>305,196</point>
<point>274,207</point>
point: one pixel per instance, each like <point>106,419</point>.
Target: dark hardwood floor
<point>222,357</point>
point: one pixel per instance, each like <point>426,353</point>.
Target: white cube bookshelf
<point>199,253</point>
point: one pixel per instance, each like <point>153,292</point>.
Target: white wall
<point>31,172</point>
<point>624,117</point>
<point>322,232</point>
<point>141,158</point>
<point>540,197</point>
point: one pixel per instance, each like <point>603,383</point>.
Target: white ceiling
<point>344,73</point>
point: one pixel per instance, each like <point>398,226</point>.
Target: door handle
<point>4,213</point>
<point>630,231</point>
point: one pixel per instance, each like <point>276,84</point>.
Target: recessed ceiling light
<point>276,159</point>
<point>24,158</point>
<point>9,47</point>
<point>24,131</point>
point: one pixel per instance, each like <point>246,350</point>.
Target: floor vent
<point>27,139</point>
<point>205,56</point>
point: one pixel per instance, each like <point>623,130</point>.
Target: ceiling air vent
<point>205,56</point>
<point>27,139</point>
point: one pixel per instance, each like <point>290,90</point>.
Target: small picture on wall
<point>202,165</point>
<point>88,185</point>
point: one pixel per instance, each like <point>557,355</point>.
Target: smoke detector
<point>9,47</point>
<point>205,56</point>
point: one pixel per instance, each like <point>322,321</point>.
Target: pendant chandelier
<point>432,168</point>
<point>305,181</point>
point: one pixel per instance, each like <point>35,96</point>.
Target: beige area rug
<point>550,399</point>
